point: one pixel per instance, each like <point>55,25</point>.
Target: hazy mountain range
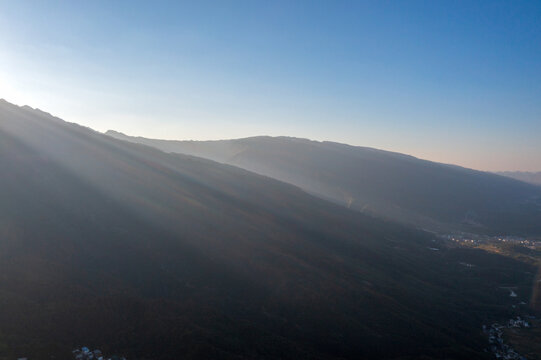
<point>399,187</point>
<point>126,248</point>
<point>529,177</point>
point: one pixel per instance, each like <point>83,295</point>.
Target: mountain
<point>431,195</point>
<point>150,255</point>
<point>529,177</point>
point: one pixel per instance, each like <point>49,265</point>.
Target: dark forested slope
<point>156,256</point>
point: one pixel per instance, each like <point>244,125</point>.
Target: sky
<point>451,81</point>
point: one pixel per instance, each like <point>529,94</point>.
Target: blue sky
<point>451,81</point>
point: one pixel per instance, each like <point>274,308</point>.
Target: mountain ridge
<point>120,135</point>
<point>432,195</point>
<point>531,177</point>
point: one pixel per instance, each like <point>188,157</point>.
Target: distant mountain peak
<point>531,177</point>
<point>114,132</point>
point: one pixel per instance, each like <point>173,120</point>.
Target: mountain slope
<point>156,256</point>
<point>529,177</point>
<point>427,194</point>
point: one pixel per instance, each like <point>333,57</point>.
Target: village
<point>476,239</point>
<point>85,353</point>
<point>498,333</point>
<point>496,342</point>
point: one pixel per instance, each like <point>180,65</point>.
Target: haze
<point>307,180</point>
<point>450,82</point>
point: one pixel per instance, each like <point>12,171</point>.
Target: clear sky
<point>450,81</point>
